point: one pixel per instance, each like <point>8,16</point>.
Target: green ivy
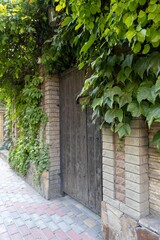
<point>29,148</point>
<point>119,41</point>
<point>23,28</point>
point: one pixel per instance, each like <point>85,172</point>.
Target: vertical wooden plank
<point>94,163</point>
<point>91,161</point>
<point>98,173</point>
<point>82,180</point>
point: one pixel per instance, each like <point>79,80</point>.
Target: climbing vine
<point>119,41</point>
<point>21,41</point>
<point>29,116</point>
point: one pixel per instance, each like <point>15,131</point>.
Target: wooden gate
<point>81,159</point>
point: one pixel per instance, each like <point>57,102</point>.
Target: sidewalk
<point>25,215</point>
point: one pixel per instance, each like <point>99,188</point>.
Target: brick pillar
<point>52,134</point>
<point>136,155</point>
<point>125,181</point>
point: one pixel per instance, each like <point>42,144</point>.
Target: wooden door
<point>81,159</point>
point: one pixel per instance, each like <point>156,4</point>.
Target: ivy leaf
<point>157,85</point>
<point>144,106</point>
<point>123,129</point>
<point>132,6</point>
<point>130,34</point>
<point>141,35</point>
<point>88,44</point>
<point>97,102</point>
<point>140,67</point>
<point>156,140</point>
<point>121,77</point>
<point>146,49</point>
<point>155,38</point>
<point>111,114</point>
<point>59,7</point>
<point>137,48</point>
<point>128,61</point>
<point>81,65</point>
<point>154,63</point>
<point>142,14</point>
<point>128,71</point>
<point>124,99</point>
<point>146,91</point>
<point>128,20</point>
<point>66,21</point>
<point>154,114</point>
<point>111,92</point>
<point>142,2</point>
<point>134,109</point>
<point>119,114</point>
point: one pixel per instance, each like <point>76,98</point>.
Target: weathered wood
<point>81,159</point>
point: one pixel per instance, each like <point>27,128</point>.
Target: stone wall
<point>127,188</point>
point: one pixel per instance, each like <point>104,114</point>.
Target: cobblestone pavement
<point>25,215</point>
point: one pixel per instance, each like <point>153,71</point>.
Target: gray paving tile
<point>22,206</point>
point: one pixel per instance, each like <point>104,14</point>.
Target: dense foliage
<point>21,41</point>
<point>28,115</point>
<point>118,40</point>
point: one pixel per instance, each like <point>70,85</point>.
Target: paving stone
<point>64,226</point>
<point>8,221</point>
<point>90,222</point>
<point>52,226</point>
<point>12,229</point>
<point>78,229</point>
<point>2,228</point>
<point>25,215</point>
<point>16,236</point>
<point>67,219</point>
<point>19,222</point>
<point>40,224</point>
<point>5,236</point>
<point>60,235</point>
<point>37,234</point>
<point>24,230</point>
<point>15,215</point>
<point>30,223</point>
<point>56,218</point>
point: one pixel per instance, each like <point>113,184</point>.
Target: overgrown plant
<point>21,36</point>
<point>120,41</point>
<point>29,148</point>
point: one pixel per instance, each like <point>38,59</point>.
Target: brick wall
<point>50,186</point>
<point>154,174</point>
<point>52,133</point>
<point>125,182</point>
